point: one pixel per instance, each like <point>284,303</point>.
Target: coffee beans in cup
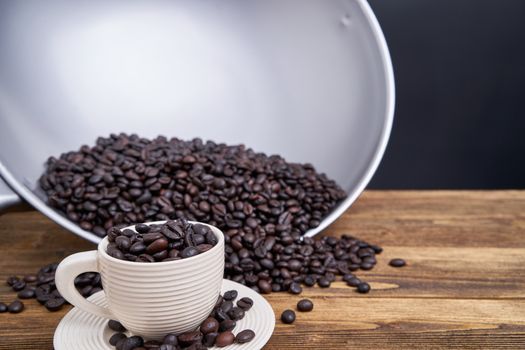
<point>173,240</point>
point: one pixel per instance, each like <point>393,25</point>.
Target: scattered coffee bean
<point>230,295</point>
<point>224,339</point>
<point>26,293</point>
<point>18,286</point>
<point>15,307</point>
<point>305,305</point>
<point>353,282</point>
<point>295,288</point>
<point>3,308</point>
<point>309,281</point>
<point>323,282</point>
<point>347,277</point>
<point>55,304</point>
<point>12,280</point>
<point>209,339</point>
<point>115,338</point>
<point>189,338</point>
<point>236,313</point>
<point>227,325</point>
<point>170,339</point>
<point>288,316</point>
<point>210,325</point>
<point>166,347</point>
<point>245,303</point>
<point>245,336</point>
<point>132,343</point>
<point>116,326</point>
<point>30,278</point>
<point>363,287</point>
<point>397,263</point>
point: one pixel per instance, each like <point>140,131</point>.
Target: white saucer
<point>82,331</point>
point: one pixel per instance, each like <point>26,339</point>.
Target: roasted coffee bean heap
<point>42,287</point>
<point>273,264</point>
<point>174,240</point>
<point>125,179</point>
<point>216,330</point>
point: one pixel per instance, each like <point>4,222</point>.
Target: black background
<point>460,84</point>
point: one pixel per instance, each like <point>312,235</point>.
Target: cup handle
<point>65,275</point>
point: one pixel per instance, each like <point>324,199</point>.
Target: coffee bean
<point>55,304</point>
<point>230,295</point>
<point>188,252</point>
<point>132,343</point>
<point>347,277</point>
<point>15,307</point>
<point>18,286</point>
<point>309,281</point>
<point>26,294</point>
<point>170,339</point>
<point>123,243</point>
<point>30,278</point>
<point>221,315</point>
<point>3,308</point>
<point>363,287</point>
<point>210,325</point>
<point>224,339</point>
<point>305,305</point>
<point>295,288</point>
<point>157,246</point>
<point>116,326</point>
<point>209,339</point>
<point>288,316</point>
<point>142,228</point>
<point>227,325</point>
<point>245,303</point>
<point>137,248</point>
<point>397,263</point>
<point>166,347</point>
<point>264,286</point>
<point>189,338</point>
<point>236,313</point>
<point>12,280</point>
<point>245,336</point>
<point>323,282</point>
<point>120,344</point>
<point>353,282</point>
<point>115,338</point>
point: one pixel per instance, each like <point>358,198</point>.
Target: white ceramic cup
<point>149,299</point>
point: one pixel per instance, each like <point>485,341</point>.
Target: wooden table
<point>464,286</point>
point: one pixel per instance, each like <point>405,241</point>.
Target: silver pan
<point>308,79</point>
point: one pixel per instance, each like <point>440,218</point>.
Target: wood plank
<point>464,286</point>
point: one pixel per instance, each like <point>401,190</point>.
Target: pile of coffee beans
<point>173,240</point>
<point>125,179</point>
<point>41,286</point>
<point>273,264</point>
<point>216,330</point>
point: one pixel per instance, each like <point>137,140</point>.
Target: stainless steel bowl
<point>308,79</point>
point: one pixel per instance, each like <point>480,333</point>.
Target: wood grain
<point>463,287</point>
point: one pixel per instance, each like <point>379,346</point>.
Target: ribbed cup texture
<point>154,299</point>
